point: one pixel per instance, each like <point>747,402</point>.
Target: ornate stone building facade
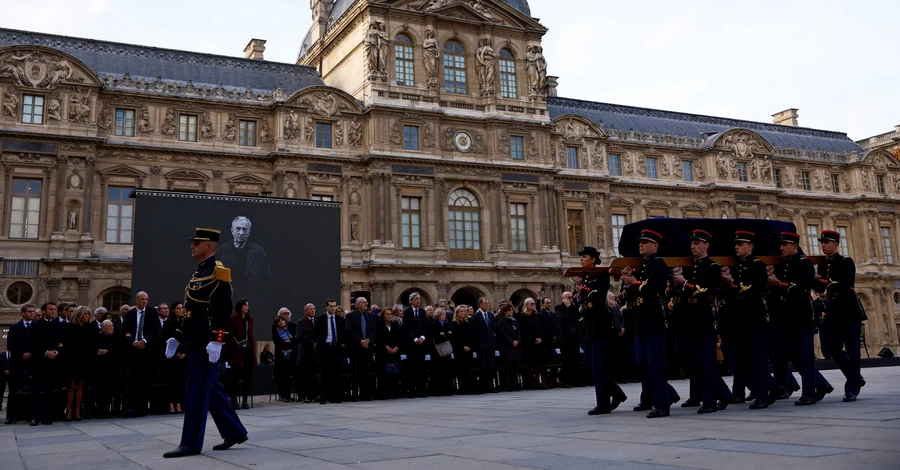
<point>461,172</point>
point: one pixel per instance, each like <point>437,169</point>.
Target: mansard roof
<point>698,128</point>
<point>112,59</point>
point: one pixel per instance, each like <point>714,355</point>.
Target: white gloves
<point>214,350</point>
<point>171,347</point>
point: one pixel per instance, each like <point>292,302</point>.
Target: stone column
<point>498,291</point>
<point>84,285</point>
<point>345,208</point>
<point>279,183</point>
<point>53,284</point>
<point>301,182</point>
<point>443,288</point>
<point>59,215</point>
<point>388,294</point>
<point>346,288</point>
<point>561,219</point>
<point>439,204</point>
<point>425,239</point>
<point>544,217</point>
<point>497,218</point>
<point>88,216</point>
<point>388,212</point>
<point>377,200</point>
<point>552,222</point>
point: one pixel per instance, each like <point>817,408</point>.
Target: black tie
<point>417,313</point>
<point>140,329</point>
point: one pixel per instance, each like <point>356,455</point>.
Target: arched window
<point>507,74</point>
<point>115,299</point>
<point>454,68</point>
<point>465,226</point>
<point>403,60</point>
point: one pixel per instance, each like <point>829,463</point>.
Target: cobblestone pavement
<point>547,429</point>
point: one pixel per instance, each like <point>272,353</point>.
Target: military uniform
<point>794,312</point>
<point>843,315</point>
<point>646,297</point>
<point>207,305</point>
<point>750,317</point>
<point>599,330</point>
<point>696,310</point>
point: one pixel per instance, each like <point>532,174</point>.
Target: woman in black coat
<point>508,338</point>
<point>77,342</point>
<point>105,353</point>
<point>285,358</point>
<point>532,344</point>
<point>461,339</point>
<point>174,369</point>
<point>387,354</point>
<point>441,367</point>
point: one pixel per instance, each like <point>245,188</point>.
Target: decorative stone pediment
<point>881,160</point>
<point>657,204</point>
<point>814,214</point>
<point>325,101</point>
<point>121,173</point>
<point>742,144</point>
<point>574,128</point>
<point>617,201</point>
<point>246,183</point>
<point>842,215</point>
<point>472,10</point>
<point>43,67</point>
<point>692,206</point>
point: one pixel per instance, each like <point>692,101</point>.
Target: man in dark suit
<point>483,333</point>
<point>17,342</point>
<point>46,347</point>
<point>141,330</point>
<point>330,339</point>
<point>306,353</point>
<point>361,344</point>
<point>5,360</point>
<point>550,325</point>
<point>415,326</point>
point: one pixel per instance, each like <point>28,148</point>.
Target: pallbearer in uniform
<point>791,282</point>
<point>746,288</point>
<point>598,331</point>
<point>696,288</point>
<point>843,316</point>
<point>207,303</point>
<point>645,290</point>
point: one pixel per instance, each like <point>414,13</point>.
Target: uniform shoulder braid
<point>221,273</point>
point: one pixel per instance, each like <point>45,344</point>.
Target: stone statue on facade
<point>10,104</point>
<point>536,71</point>
<point>377,46</point>
<point>291,126</point>
<point>81,109</point>
<point>169,125</point>
<point>431,56</point>
<point>206,127</point>
<point>54,107</point>
<point>265,134</point>
<point>484,65</point>
<point>230,132</point>
<point>338,134</point>
<point>144,126</point>
<point>73,219</point>
<point>354,134</point>
<point>384,46</point>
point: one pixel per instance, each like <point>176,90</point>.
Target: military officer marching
<point>207,302</point>
<point>843,316</point>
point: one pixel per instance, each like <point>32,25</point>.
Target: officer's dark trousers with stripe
<point>750,364</point>
<point>649,349</point>
<point>838,335</point>
<point>707,385</point>
<point>604,385</point>
<point>795,344</point>
<point>206,395</point>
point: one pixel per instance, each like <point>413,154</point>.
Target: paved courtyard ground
<point>544,430</point>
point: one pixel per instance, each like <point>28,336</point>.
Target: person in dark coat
<point>569,340</point>
<point>387,354</point>
<point>77,338</point>
<point>462,341</point>
<point>5,360</point>
<point>105,350</point>
<point>416,330</point>
<point>550,323</point>
<point>331,337</point>
<point>174,369</point>
<point>241,362</point>
<point>285,350</point>
<point>508,338</point>
<point>307,383</point>
<point>484,339</point>
<point>361,334</point>
<point>46,344</point>
<point>441,367</point>
<point>141,338</point>
<point>533,348</point>
<point>19,346</point>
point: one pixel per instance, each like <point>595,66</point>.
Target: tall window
<point>323,135</point>
<point>572,157</point>
<point>125,122</point>
<point>187,128</point>
<point>410,221</point>
<point>518,233</point>
<point>507,74</point>
<point>119,215</point>
<point>777,177</point>
<point>517,147</point>
<point>26,209</point>
<point>247,133</point>
<point>454,68</point>
<point>812,234</point>
<point>652,168</point>
<point>615,167</point>
<point>410,137</point>
<point>805,180</point>
<point>880,180</point>
<point>33,109</point>
<point>835,183</point>
<point>575,229</point>
<point>465,226</point>
<point>886,244</point>
<point>687,171</point>
<point>618,225</point>
<point>404,66</point>
<point>844,246</point>
<point>742,172</point>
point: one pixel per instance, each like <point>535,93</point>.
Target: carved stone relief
<point>206,126</point>
<point>10,104</point>
<point>80,109</point>
<point>396,134</point>
<point>428,140</point>
<point>485,64</point>
<point>169,125</point>
<point>54,107</point>
<point>265,134</point>
<point>291,126</point>
<point>536,71</point>
<point>742,144</point>
<point>338,134</point>
<point>37,69</point>
<point>323,103</point>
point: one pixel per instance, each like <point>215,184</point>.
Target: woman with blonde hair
<point>77,338</point>
<point>441,366</point>
<point>461,339</point>
<point>532,344</point>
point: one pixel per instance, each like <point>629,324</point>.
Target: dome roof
<point>521,5</point>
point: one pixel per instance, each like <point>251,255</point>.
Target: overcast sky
<point>835,60</point>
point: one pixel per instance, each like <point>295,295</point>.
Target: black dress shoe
<point>597,411</point>
<point>34,422</point>
<point>735,399</point>
<point>10,421</point>
<point>616,401</point>
<point>758,405</point>
<point>703,411</point>
<point>245,406</point>
<point>848,397</point>
<point>675,399</point>
<point>805,401</point>
<point>721,405</point>
<point>642,407</point>
<point>230,443</point>
<point>321,401</point>
<point>690,403</point>
<point>658,413</point>
<point>820,393</point>
<point>784,396</point>
<point>180,451</point>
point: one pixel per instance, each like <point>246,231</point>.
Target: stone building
<point>461,173</point>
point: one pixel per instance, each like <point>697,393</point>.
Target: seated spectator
<point>266,356</point>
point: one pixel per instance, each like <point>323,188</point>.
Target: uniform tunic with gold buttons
<point>696,299</point>
<point>207,306</point>
<point>837,280</point>
<point>794,303</point>
<point>747,294</point>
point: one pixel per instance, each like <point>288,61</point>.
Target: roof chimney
<point>788,117</point>
<point>552,83</point>
<point>255,49</point>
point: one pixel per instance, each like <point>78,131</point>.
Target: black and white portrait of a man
<point>251,272</point>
